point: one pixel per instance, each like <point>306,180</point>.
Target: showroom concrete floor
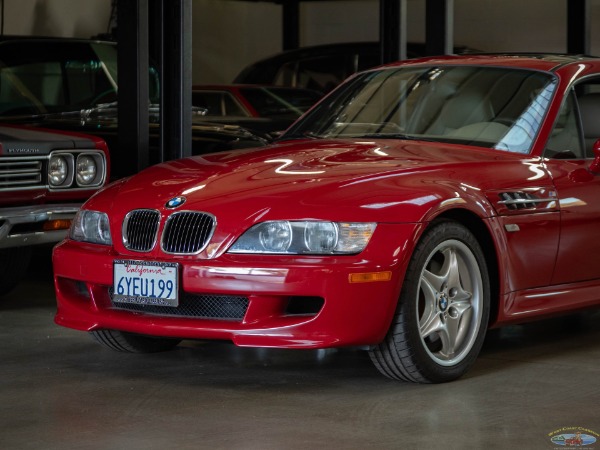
<point>61,390</point>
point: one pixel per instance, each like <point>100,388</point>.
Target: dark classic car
<point>71,84</point>
<point>322,67</point>
<point>416,206</point>
<point>265,110</point>
<point>44,179</point>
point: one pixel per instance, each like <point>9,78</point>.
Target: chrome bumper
<point>12,219</point>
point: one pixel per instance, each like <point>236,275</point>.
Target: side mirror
<point>595,165</point>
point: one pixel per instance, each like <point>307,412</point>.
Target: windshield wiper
<point>406,137</point>
<point>401,136</point>
<point>109,111</point>
<point>298,136</point>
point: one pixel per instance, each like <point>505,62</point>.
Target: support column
<point>176,79</point>
<point>578,27</point>
<point>133,135</point>
<point>439,27</point>
<point>392,30</point>
<point>291,24</point>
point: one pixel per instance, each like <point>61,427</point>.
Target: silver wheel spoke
<point>461,308</point>
<point>432,324</point>
<point>448,309</point>
<point>455,331</point>
<point>434,281</point>
<point>448,338</point>
<point>451,268</point>
<point>429,307</point>
<point>454,271</point>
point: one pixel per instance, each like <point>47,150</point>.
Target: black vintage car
<point>71,84</point>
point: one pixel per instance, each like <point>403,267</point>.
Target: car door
<point>569,153</point>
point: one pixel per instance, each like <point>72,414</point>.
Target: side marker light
<point>59,224</point>
<point>369,277</point>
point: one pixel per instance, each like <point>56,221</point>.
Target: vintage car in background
<point>265,110</point>
<point>44,179</point>
<point>413,208</point>
<point>322,67</point>
<point>71,84</point>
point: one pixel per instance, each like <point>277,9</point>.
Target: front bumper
<point>351,313</point>
<point>28,225</point>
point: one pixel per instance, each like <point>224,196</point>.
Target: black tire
<point>442,314</point>
<point>13,267</point>
<point>133,343</point>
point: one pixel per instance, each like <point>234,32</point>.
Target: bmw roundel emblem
<point>175,202</point>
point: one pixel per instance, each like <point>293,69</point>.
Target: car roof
<point>352,47</point>
<point>538,61</point>
<point>263,70</point>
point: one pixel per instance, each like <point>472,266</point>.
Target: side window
<point>323,74</point>
<point>589,110</point>
<point>15,97</point>
<point>319,73</point>
<point>53,86</point>
<point>41,81</point>
<point>209,100</point>
<point>232,106</point>
<point>87,84</point>
<point>218,103</point>
<point>565,141</point>
<point>286,75</point>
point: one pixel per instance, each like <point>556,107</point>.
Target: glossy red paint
<point>354,314</point>
<point>540,254</point>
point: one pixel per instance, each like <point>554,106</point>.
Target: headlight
<point>58,170</point>
<point>91,226</point>
<point>275,237</point>
<point>86,170</point>
<point>309,237</point>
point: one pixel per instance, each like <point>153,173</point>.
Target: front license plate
<point>146,283</point>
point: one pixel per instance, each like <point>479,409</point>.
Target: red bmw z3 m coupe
<point>413,208</point>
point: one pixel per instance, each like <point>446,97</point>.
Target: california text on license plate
<point>146,283</point>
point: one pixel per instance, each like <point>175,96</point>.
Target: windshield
<point>490,107</point>
<point>51,77</point>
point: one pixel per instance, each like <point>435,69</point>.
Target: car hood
<point>332,180</point>
<point>25,141</point>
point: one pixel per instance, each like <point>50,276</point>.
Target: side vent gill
<point>520,200</point>
<point>523,201</point>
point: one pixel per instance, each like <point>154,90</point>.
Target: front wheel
<point>133,343</point>
<point>443,310</point>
